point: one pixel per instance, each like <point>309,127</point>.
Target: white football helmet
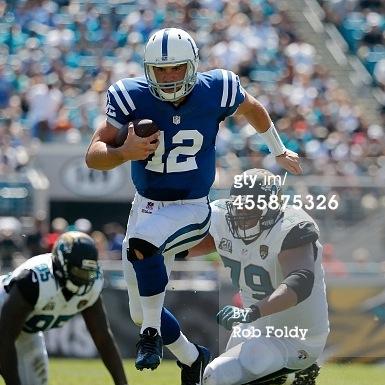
<point>171,47</point>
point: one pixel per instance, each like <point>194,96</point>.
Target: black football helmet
<point>251,208</point>
<point>75,262</point>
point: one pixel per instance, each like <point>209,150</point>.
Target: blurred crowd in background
<point>362,24</point>
<point>16,246</point>
<point>58,57</point>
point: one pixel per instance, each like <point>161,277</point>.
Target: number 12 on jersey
<point>162,162</point>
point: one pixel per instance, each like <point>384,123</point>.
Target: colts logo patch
<point>226,245</point>
<point>263,251</point>
<point>176,119</point>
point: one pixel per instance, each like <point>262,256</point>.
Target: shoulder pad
<point>293,217</point>
<point>122,97</point>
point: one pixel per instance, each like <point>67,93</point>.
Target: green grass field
<point>92,372</point>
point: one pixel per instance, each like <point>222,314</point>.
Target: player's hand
<point>137,148</point>
<point>289,161</point>
<point>230,315</point>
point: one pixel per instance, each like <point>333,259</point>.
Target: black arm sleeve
<point>301,282</point>
<point>300,235</point>
<point>28,284</point>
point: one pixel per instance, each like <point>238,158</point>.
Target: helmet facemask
<point>178,89</point>
<point>248,216</point>
<point>244,223</point>
<point>81,279</point>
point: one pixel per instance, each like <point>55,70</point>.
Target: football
<point>142,128</point>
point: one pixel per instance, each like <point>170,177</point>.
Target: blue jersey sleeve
<point>120,109</point>
<point>233,93</point>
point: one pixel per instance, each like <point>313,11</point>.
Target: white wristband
<point>273,141</point>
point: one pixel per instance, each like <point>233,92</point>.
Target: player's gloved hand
<point>230,315</point>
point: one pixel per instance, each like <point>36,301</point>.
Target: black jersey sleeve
<point>301,234</point>
<point>28,284</point>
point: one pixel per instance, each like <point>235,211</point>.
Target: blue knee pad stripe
<point>151,275</point>
<point>184,231</point>
<point>169,328</point>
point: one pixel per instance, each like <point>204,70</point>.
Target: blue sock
<point>151,275</point>
<point>170,328</point>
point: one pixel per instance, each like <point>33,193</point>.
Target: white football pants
<point>173,226</point>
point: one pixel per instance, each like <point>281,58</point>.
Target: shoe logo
<point>302,225</point>
<point>205,378</point>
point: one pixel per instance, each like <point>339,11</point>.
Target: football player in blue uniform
<point>45,292</point>
<point>172,171</point>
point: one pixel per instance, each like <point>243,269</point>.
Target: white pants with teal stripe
<point>173,226</point>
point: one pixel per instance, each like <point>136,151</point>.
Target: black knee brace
<point>147,249</point>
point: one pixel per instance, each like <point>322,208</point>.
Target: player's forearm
<point>258,117</point>
<point>254,112</point>
<point>8,362</point>
<point>101,156</point>
<point>281,299</point>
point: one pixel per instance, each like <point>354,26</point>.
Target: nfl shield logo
<point>263,251</point>
<point>176,119</point>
